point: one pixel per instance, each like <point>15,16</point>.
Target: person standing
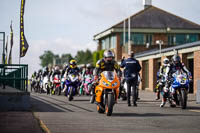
<point>131,72</point>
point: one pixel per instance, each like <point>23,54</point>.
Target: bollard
<point>198,92</point>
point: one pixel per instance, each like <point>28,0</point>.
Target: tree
<point>47,58</point>
<point>84,57</point>
<point>66,58</point>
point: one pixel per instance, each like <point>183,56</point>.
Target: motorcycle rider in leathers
<point>106,64</point>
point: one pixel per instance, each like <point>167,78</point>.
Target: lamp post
<point>160,43</point>
<point>3,57</point>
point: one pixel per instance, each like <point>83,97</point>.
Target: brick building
<point>146,27</point>
<point>151,60</point>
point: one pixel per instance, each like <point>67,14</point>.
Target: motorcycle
<point>57,85</point>
<point>45,84</point>
<point>88,84</point>
<point>180,87</point>
<point>33,84</point>
<point>72,84</point>
<point>107,92</point>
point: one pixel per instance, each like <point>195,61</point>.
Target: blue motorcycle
<point>180,88</point>
<point>72,84</point>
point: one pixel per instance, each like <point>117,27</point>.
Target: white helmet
<point>165,61</point>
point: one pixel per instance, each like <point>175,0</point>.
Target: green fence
<point>15,76</point>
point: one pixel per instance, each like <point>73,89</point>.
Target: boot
<point>129,103</point>
<point>163,103</point>
<point>158,95</point>
<point>135,104</point>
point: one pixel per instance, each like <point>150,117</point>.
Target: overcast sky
<point>66,26</point>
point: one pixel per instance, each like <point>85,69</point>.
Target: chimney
<point>147,3</point>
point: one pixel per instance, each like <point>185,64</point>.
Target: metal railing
<point>14,75</point>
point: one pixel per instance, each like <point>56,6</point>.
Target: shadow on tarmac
<point>41,105</point>
<point>148,115</point>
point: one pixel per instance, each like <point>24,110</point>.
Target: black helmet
<point>46,68</point>
<point>176,59</point>
<point>35,73</point>
<point>108,53</point>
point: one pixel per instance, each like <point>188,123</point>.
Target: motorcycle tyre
<point>109,104</point>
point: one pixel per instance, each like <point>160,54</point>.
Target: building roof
<point>153,18</point>
<point>157,51</point>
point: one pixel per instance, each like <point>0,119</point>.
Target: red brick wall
<point>151,74</point>
<point>143,75</point>
<point>118,48</point>
<point>140,87</point>
<point>196,69</point>
<point>162,37</point>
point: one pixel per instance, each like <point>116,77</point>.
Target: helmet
<point>166,61</point>
<point>88,65</point>
<point>56,68</point>
<point>40,71</point>
<point>176,59</point>
<point>72,63</point>
<point>108,53</point>
<point>35,73</point>
<point>46,68</point>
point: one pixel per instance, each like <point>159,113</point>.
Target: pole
<point>124,39</point>
<point>129,35</point>
<point>3,58</point>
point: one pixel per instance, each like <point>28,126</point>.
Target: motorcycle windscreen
<point>109,75</point>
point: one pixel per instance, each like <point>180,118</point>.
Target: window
<point>103,44</point>
<point>192,38</point>
<point>180,39</point>
<point>113,41</point>
<point>171,39</point>
<point>122,38</point>
<point>149,39</point>
<point>137,38</point>
<point>107,43</point>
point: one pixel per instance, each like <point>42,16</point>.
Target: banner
<point>23,43</point>
<point>6,51</point>
<point>11,44</point>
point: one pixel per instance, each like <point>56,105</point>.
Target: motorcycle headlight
<point>114,84</point>
<point>105,83</point>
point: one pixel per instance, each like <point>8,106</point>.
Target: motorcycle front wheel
<point>109,104</point>
<point>70,95</point>
<point>183,98</point>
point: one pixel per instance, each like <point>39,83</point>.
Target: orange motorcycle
<point>107,92</point>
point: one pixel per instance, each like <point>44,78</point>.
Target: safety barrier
<point>14,75</point>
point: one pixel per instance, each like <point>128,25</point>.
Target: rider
<point>46,72</point>
<point>33,79</point>
<point>56,71</point>
<point>131,72</point>
<point>65,67</point>
<point>174,67</point>
<point>162,72</point>
<point>177,65</point>
<point>106,64</point>
<point>86,71</point>
<point>72,68</point>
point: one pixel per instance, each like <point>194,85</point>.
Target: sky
<point>66,26</point>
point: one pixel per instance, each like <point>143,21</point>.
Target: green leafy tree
<point>95,57</point>
<point>66,58</point>
<point>47,58</point>
<point>84,57</point>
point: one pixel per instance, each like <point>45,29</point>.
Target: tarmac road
<point>79,116</point>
